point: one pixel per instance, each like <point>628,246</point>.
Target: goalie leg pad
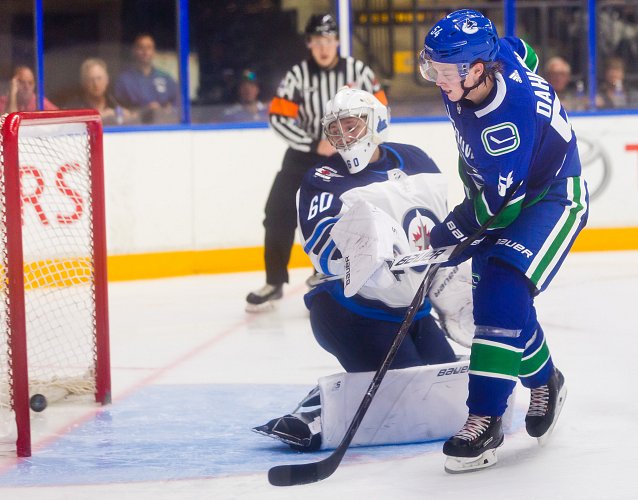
<point>417,404</point>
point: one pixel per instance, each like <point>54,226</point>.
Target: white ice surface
<point>193,331</point>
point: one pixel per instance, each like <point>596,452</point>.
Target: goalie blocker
<point>418,404</point>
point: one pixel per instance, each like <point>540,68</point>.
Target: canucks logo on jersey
<point>500,139</point>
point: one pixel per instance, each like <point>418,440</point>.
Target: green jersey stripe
<point>566,234</point>
<point>530,59</point>
<point>534,362</point>
<point>561,235</point>
<point>495,359</point>
<point>553,242</point>
<point>482,212</point>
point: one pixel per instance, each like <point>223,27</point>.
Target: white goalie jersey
<point>403,184</point>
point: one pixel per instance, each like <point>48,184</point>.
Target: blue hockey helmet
<point>462,38</point>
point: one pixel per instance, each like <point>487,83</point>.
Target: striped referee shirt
<point>300,103</point>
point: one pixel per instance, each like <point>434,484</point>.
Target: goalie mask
<point>355,123</point>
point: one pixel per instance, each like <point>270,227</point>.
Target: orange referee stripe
<point>382,97</point>
<point>283,107</point>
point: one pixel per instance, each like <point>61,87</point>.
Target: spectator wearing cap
<point>248,106</point>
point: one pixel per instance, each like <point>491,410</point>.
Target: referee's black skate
<point>262,299</point>
<point>474,446</point>
<point>545,405</point>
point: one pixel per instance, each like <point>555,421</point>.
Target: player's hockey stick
<point>407,260</point>
<point>295,474</point>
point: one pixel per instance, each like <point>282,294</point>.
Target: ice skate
<point>301,431</point>
<point>263,299</point>
<point>545,405</point>
<point>474,446</point>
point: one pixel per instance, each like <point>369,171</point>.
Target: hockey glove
<point>368,238</point>
<point>452,232</point>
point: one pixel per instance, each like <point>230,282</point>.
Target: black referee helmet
<point>321,24</point>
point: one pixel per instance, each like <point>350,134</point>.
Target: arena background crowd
<point>226,56</point>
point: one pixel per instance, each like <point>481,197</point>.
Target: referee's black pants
<point>281,213</point>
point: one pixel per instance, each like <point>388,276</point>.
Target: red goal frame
<point>18,363</point>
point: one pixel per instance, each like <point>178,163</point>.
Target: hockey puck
<point>38,402</point>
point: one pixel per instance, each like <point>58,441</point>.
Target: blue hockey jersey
<point>520,132</point>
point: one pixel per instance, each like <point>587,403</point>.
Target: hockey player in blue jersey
<point>356,210</point>
<point>512,134</point>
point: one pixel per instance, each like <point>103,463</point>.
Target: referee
<point>295,115</point>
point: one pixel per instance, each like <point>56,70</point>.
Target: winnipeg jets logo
<point>458,108</point>
<point>470,27</point>
<point>417,224</point>
<point>326,173</point>
<point>418,238</point>
<point>516,77</point>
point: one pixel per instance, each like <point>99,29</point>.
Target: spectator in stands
<point>558,73</point>
<point>21,96</point>
<point>248,106</point>
<point>612,92</point>
<point>145,88</point>
<point>94,79</point>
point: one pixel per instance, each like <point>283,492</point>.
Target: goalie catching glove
<point>451,297</point>
<point>368,238</point>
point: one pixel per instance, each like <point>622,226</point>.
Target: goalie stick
<point>296,474</point>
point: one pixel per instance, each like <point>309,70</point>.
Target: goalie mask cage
<point>53,290</point>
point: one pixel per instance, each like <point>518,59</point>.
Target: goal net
<point>53,294</point>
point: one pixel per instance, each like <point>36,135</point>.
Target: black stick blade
<point>295,474</point>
